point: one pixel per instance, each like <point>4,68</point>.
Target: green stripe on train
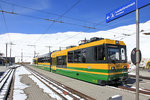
<point>98,70</point>
<point>93,78</point>
<point>89,77</point>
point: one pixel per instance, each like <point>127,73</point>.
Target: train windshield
<point>113,53</point>
<point>116,53</point>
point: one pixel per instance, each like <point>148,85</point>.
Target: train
<point>99,61</point>
<point>148,65</point>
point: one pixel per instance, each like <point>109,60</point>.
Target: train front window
<point>113,53</point>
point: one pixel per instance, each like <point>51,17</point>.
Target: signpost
<point>126,9</point>
<point>123,10</point>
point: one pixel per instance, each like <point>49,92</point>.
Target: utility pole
<point>10,60</point>
<point>49,48</point>
<point>10,57</point>
<point>21,56</point>
<point>59,48</point>
<point>6,55</point>
<point>137,51</point>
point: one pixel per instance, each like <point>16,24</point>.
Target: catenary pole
<point>137,51</point>
<point>6,55</point>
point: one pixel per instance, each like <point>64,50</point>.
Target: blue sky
<point>87,13</point>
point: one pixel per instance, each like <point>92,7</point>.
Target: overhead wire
<point>63,16</point>
<point>80,33</point>
<point>47,12</point>
<point>52,20</point>
<point>6,26</point>
<point>58,21</point>
<point>59,18</point>
<point>97,28</point>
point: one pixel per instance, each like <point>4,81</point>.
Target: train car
<point>98,61</point>
<point>43,62</point>
<point>35,61</point>
<point>148,65</point>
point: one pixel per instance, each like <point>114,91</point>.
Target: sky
<point>74,13</point>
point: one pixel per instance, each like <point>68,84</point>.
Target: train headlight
<point>112,68</point>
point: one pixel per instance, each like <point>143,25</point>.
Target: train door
<point>54,64</point>
<point>61,62</point>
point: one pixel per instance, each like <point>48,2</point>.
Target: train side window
<point>99,53</point>
<point>61,60</point>
<point>40,60</point>
<point>77,56</point>
<point>70,57</point>
<point>83,55</point>
<point>64,60</point>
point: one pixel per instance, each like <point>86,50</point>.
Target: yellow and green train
<point>148,65</point>
<point>99,61</point>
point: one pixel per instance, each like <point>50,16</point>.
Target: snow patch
<point>45,88</point>
<point>18,86</point>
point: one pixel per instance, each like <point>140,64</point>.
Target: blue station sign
<point>125,9</point>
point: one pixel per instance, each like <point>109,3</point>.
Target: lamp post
<point>6,54</point>
<point>11,52</point>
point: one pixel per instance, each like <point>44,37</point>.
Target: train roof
<point>89,44</point>
<point>44,55</point>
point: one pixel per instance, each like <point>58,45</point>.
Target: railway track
<point>133,89</point>
<point>143,77</point>
<point>5,83</point>
<point>60,89</point>
<point>145,92</point>
<point>142,91</point>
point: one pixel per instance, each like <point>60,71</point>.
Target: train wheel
<point>102,83</point>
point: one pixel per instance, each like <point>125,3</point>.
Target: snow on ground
<point>18,93</point>
<point>44,87</point>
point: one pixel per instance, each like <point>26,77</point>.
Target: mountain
<point>57,40</point>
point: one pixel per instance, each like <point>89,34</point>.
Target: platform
<point>142,72</point>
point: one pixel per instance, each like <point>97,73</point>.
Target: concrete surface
<point>33,92</point>
<point>143,72</point>
<point>95,91</point>
<point>143,83</point>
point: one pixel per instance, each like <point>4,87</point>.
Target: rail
<point>5,83</point>
<point>60,88</point>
